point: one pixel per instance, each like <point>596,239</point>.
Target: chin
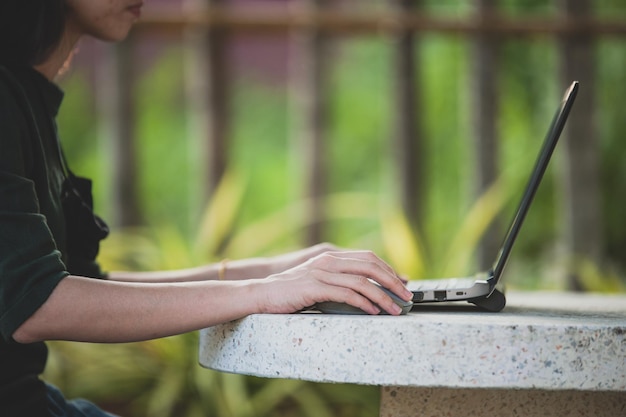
<point>115,35</point>
<point>119,38</point>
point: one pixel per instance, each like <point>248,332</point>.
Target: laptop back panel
<point>485,283</point>
<point>556,128</point>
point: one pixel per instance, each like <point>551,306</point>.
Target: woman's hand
<point>91,310</point>
<point>340,276</point>
<point>283,262</point>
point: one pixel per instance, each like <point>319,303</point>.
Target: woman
<point>49,235</point>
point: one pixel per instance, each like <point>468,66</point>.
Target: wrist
<point>221,270</point>
<point>258,291</point>
<point>235,270</point>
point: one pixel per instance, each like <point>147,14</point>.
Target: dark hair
<point>30,30</point>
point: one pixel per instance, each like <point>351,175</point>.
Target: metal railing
<point>206,26</point>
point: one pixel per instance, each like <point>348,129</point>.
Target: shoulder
<point>12,95</point>
<point>14,124</point>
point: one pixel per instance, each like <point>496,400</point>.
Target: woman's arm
<point>231,270</point>
<point>83,309</point>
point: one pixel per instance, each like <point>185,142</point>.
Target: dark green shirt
<point>33,258</point>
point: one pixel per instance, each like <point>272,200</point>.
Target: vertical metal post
<point>208,84</point>
<point>219,103</point>
<point>409,144</point>
<point>309,76</point>
<point>116,95</point>
<point>485,107</point>
<point>583,227</point>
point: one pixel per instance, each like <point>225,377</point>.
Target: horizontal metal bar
<point>344,23</point>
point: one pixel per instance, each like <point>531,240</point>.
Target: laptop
<point>481,288</point>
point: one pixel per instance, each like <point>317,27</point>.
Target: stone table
<point>544,354</point>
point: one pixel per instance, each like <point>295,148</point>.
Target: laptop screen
<point>558,122</point>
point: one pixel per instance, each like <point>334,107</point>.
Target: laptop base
<point>493,303</point>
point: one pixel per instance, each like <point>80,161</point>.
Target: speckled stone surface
<point>541,341</point>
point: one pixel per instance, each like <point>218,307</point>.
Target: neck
<point>59,58</point>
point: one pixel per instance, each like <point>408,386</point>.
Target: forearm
<point>82,309</point>
<point>228,270</point>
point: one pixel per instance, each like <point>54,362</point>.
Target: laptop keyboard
<point>440,284</point>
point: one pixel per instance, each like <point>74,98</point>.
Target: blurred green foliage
<point>162,378</point>
<point>258,211</point>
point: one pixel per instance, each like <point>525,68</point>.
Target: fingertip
<point>408,294</point>
<point>397,310</point>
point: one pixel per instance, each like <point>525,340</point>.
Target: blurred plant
<point>407,249</point>
<point>410,253</point>
<point>596,279</point>
<point>161,378</point>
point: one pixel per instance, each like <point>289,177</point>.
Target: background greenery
<point>259,210</point>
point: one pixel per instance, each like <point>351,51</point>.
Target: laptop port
<point>440,295</point>
<point>418,296</point>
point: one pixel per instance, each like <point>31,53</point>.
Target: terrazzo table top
<point>555,341</point>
